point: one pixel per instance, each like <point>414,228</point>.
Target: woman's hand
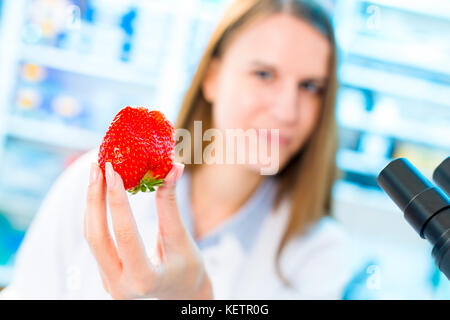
<point>126,271</point>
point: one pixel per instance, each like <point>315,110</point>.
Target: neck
<point>218,191</point>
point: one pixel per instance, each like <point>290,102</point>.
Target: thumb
<point>170,224</point>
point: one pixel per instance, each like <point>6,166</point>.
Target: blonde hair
<point>308,177</point>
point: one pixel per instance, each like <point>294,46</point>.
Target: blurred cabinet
<point>394,72</point>
<point>395,82</point>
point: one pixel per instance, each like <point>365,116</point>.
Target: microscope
<point>426,207</point>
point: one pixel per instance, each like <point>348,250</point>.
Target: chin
<point>269,168</point>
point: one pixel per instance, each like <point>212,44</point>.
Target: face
<point>271,75</point>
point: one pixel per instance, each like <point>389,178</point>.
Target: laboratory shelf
<point>52,133</point>
<point>390,52</point>
<point>204,10</point>
<point>84,64</point>
<point>418,132</point>
<point>19,208</point>
<point>385,81</point>
<point>432,8</point>
<point>360,162</point>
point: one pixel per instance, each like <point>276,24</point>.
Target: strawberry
<point>140,146</point>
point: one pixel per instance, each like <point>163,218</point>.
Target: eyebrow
<point>319,79</point>
<point>257,63</point>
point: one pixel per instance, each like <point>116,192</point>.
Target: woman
<point>226,231</point>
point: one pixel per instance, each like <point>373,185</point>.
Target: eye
<point>311,87</point>
<point>263,74</point>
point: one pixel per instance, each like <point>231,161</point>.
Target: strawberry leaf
<point>147,184</point>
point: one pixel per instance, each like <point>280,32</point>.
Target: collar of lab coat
<point>242,226</point>
<point>234,270</point>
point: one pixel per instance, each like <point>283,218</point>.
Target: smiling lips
<point>283,140</point>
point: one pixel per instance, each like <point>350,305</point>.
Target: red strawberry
<point>140,146</point>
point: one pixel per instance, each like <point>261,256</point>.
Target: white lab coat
<point>54,261</point>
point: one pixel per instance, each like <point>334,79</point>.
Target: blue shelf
<point>417,132</point>
<point>359,162</point>
<point>432,8</point>
<point>87,65</point>
<point>54,134</point>
<point>400,85</point>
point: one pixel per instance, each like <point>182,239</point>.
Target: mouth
<point>283,140</point>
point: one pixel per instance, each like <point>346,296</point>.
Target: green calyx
<point>147,184</point>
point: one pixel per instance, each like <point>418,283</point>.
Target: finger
<point>104,280</point>
<point>160,250</point>
<point>102,274</point>
<point>96,226</point>
<point>129,243</point>
<point>171,226</point>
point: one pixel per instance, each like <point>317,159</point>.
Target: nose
<point>285,105</point>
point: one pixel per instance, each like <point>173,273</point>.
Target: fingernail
<point>93,175</point>
<point>110,178</point>
<point>174,174</point>
<point>179,171</point>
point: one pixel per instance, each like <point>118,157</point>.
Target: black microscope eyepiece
<point>425,206</point>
